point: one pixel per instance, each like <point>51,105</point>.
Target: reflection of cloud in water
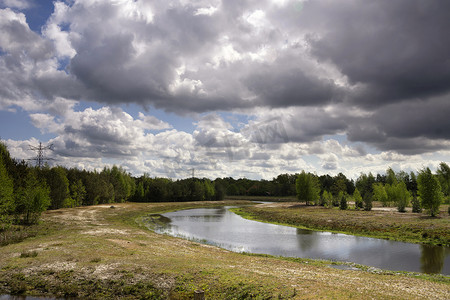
<point>225,229</point>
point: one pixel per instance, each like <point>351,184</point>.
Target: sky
<point>227,88</point>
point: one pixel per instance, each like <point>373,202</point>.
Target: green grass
<point>263,198</point>
<point>407,227</point>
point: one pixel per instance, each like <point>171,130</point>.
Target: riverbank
<point>385,223</point>
<point>100,252</point>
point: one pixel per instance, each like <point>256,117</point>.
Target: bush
<point>343,203</point>
<point>367,203</point>
<point>416,207</point>
<point>402,196</point>
<point>358,199</point>
<point>326,199</point>
<point>429,191</point>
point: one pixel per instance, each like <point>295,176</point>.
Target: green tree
<point>380,194</point>
<point>412,184</point>
<point>98,189</point>
<point>219,190</point>
<point>6,193</point>
<point>358,199</point>
<point>338,185</point>
<point>78,192</point>
<point>343,203</point>
<point>139,193</point>
<point>59,188</point>
<point>402,196</point>
<point>390,176</point>
<point>364,183</point>
<point>308,188</point>
<point>443,173</point>
<point>368,203</point>
<point>123,184</point>
<point>32,199</point>
<point>326,199</point>
<point>209,190</point>
<point>416,207</point>
<point>429,191</point>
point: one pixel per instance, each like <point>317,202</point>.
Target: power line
<point>40,158</point>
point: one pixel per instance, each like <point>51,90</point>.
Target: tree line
<point>423,191</point>
<point>26,191</point>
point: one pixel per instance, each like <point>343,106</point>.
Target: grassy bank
<point>379,223</point>
<point>263,198</point>
<point>101,252</point>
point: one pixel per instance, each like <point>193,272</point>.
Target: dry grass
<point>98,252</point>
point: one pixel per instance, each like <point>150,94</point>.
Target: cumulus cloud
<point>374,73</point>
<point>19,4</point>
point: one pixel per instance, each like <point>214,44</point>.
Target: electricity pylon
<point>40,158</point>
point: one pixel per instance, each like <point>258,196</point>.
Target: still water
<point>220,227</point>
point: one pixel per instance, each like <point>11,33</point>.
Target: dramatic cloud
<point>390,51</point>
<point>323,84</point>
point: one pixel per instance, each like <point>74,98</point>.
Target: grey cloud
<point>391,50</point>
<point>409,127</point>
<point>290,87</point>
<point>387,58</point>
<point>300,125</point>
<point>330,165</point>
<point>260,156</point>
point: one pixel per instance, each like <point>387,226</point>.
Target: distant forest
<point>26,191</point>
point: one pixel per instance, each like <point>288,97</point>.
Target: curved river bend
<point>220,227</point>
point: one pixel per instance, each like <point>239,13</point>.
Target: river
<point>225,229</point>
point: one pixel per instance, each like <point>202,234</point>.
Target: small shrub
<point>326,199</point>
<point>367,203</point>
<point>96,260</point>
<point>358,199</point>
<point>29,254</point>
<point>336,199</point>
<point>416,207</point>
<point>343,203</point>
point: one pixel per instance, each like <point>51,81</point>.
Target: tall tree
<point>59,188</point>
<point>429,191</point>
<point>412,184</point>
<point>209,189</point>
<point>390,176</point>
<point>380,194</point>
<point>358,199</point>
<point>443,173</point>
<point>78,192</point>
<point>32,199</point>
<point>402,196</point>
<point>326,199</point>
<point>308,188</point>
<point>6,193</point>
<point>364,183</point>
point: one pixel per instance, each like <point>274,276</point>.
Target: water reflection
<point>306,239</point>
<point>432,259</point>
<point>225,229</point>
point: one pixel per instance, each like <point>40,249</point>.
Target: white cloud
<point>302,71</point>
<point>19,4</point>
